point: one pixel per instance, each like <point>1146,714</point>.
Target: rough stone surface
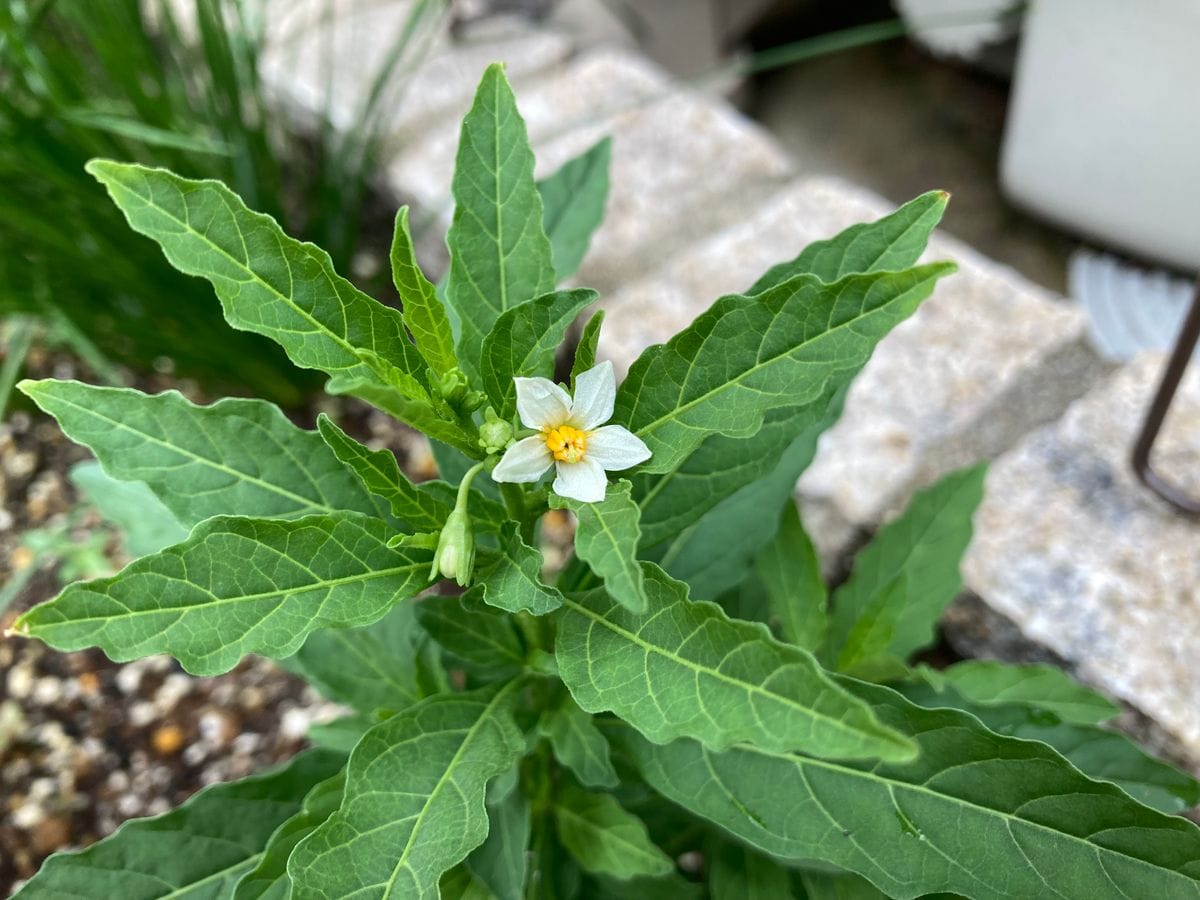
<point>1088,564</point>
<point>987,358</point>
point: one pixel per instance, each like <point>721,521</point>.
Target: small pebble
<point>129,678</point>
<point>167,740</point>
<point>20,682</point>
<point>27,815</point>
<point>142,714</point>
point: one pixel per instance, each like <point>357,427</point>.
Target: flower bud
<point>453,386</point>
<point>494,434</point>
<point>455,554</point>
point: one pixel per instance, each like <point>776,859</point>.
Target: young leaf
<point>892,243</point>
<point>606,538</point>
<point>146,525</point>
<point>684,668</point>
<point>414,804</point>
<point>423,311</point>
<point>500,862</point>
<point>791,576</point>
<point>1097,752</point>
<point>420,414</point>
<point>736,872</point>
<point>235,457</point>
<point>499,253</point>
<point>606,838</point>
<point>904,579</point>
<point>369,668</point>
<point>267,282</point>
<point>269,878</point>
<point>473,632</point>
<point>748,355</point>
<point>201,848</point>
<point>578,744</point>
<point>986,682</point>
<point>573,201</point>
<point>380,474</point>
<point>975,813</point>
<point>523,342</point>
<point>236,586</point>
<point>513,582</point>
<point>589,340</point>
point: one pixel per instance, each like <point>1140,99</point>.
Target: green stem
<point>20,339</point>
<point>464,487</point>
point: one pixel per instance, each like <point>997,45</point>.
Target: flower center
<point>567,444</point>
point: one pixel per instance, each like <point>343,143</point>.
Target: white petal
<point>541,402</point>
<point>524,461</point>
<point>616,447</point>
<point>595,393</point>
<point>583,481</point>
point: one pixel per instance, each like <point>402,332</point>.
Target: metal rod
<point>1185,346</point>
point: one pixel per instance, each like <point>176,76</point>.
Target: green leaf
<point>423,311</point>
<point>500,862</point>
<point>513,581</point>
<point>988,682</point>
<point>414,804</point>
<point>236,586</point>
<point>460,884</point>
<point>1097,752</point>
<point>473,632</point>
<point>589,340</point>
<point>499,253</point>
<point>380,474</point>
<point>573,201</point>
<point>523,342</point>
<point>578,744</point>
<point>791,576</point>
<point>604,837</point>
<point>200,849</point>
<point>343,733</point>
<point>606,538</point>
<point>684,668</point>
<point>267,282</point>
<point>146,525</point>
<point>240,457</point>
<point>892,243</point>
<point>843,886</point>
<point>269,879</point>
<point>748,355</point>
<point>738,873</point>
<point>975,813</point>
<point>419,414</point>
<point>904,579</point>
<point>369,668</point>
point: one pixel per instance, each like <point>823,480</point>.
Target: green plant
<point>121,79</point>
<point>521,739</point>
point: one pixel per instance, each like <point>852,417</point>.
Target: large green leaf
<point>904,579</point>
<point>500,862</point>
<point>473,632</point>
<point>604,837</point>
<point>578,744</point>
<point>267,282</point>
<point>844,886</point>
<point>747,355</point>
<point>791,577</point>
<point>499,253</point>
<point>146,525</point>
<point>236,586</point>
<point>986,682</point>
<point>269,879</point>
<point>573,201</point>
<point>606,538</point>
<point>235,457</point>
<point>199,850</point>
<point>423,311</point>
<point>1097,752</point>
<point>975,813</point>
<point>523,342</point>
<point>414,805</point>
<point>736,872</point>
<point>684,668</point>
<point>894,242</point>
<point>417,507</point>
<point>513,581</point>
<point>589,342</point>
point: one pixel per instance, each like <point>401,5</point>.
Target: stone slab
<point>1089,565</point>
<point>987,358</point>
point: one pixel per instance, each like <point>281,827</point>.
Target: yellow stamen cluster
<point>567,444</point>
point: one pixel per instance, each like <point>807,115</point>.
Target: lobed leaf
<point>736,872</point>
<point>606,538</point>
<point>499,253</point>
<point>500,863</point>
<point>578,744</point>
<point>146,524</point>
<point>199,849</point>
<point>423,311</point>
<point>414,804</point>
<point>791,577</point>
<point>573,201</point>
<point>684,668</point>
<point>843,886</point>
<point>236,586</point>
<point>604,837</point>
<point>513,582</point>
<point>975,813</point>
<point>473,632</point>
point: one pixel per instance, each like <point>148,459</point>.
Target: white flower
<point>570,437</point>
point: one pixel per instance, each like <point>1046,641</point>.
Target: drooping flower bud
<point>455,554</point>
